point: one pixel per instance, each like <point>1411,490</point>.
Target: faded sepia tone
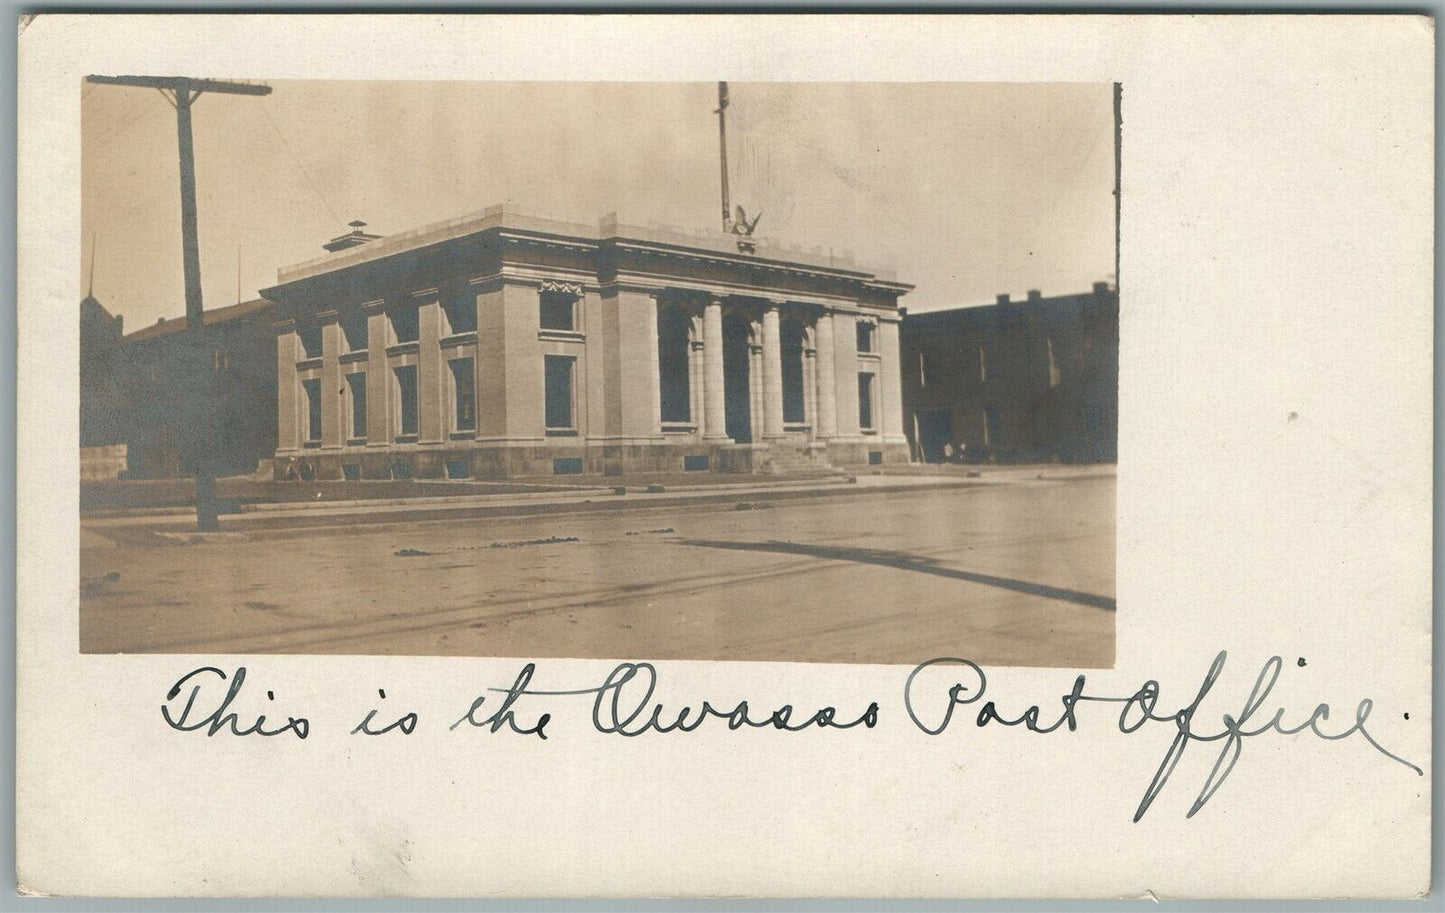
<point>1273,502</point>
<point>564,395</point>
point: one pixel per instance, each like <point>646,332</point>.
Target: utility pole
<point>198,425</point>
<point>722,142</point>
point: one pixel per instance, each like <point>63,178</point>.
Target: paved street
<point>1020,572</point>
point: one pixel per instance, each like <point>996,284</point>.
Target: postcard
<point>725,456</point>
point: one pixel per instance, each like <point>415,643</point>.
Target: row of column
<point>825,422</point>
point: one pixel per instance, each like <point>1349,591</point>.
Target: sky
<point>966,190</point>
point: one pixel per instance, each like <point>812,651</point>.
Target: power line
<point>300,167</point>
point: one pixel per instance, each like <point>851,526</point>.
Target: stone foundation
<point>866,453</point>
<point>521,461</point>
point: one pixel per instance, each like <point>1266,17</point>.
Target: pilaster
<point>429,382</point>
<point>331,382</point>
<point>891,392</point>
<point>826,421</point>
<point>845,373</point>
<point>379,432</point>
<point>288,388</point>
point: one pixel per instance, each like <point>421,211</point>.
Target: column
<point>772,373</point>
<point>714,401</point>
<point>810,389</point>
<point>331,382</point>
<point>826,422</point>
<point>891,397</point>
<point>695,407</point>
<point>288,387</point>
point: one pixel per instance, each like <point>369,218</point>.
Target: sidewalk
<point>741,494</point>
<point>366,513</point>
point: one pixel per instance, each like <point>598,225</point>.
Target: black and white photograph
<point>811,372</point>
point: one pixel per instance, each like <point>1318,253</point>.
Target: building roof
<point>165,327</point>
<point>609,227</point>
<point>1007,304</point>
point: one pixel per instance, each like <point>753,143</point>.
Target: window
<point>313,409</point>
<point>672,365</point>
<point>559,391</point>
<point>461,315</point>
<point>557,310</point>
<point>865,336</point>
<point>983,374</point>
<point>356,384</point>
<point>1055,377</point>
<point>793,399</point>
<point>990,426</point>
<point>923,375</point>
<point>865,401</point>
<point>310,334</point>
<point>464,395</point>
<point>354,331</point>
<point>406,399</point>
<point>404,324</point>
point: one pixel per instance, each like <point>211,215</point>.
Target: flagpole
<point>722,142</point>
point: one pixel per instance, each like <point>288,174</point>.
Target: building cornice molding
<point>559,285</point>
<point>514,274</point>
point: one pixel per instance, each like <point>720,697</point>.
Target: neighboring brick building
<point>104,399</point>
<point>501,344</point>
<point>1032,380</point>
<point>236,352</point>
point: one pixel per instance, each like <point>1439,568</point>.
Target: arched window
<point>672,365</point>
<point>794,411</point>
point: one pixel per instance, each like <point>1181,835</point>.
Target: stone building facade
<point>1016,381</point>
<point>507,345</point>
